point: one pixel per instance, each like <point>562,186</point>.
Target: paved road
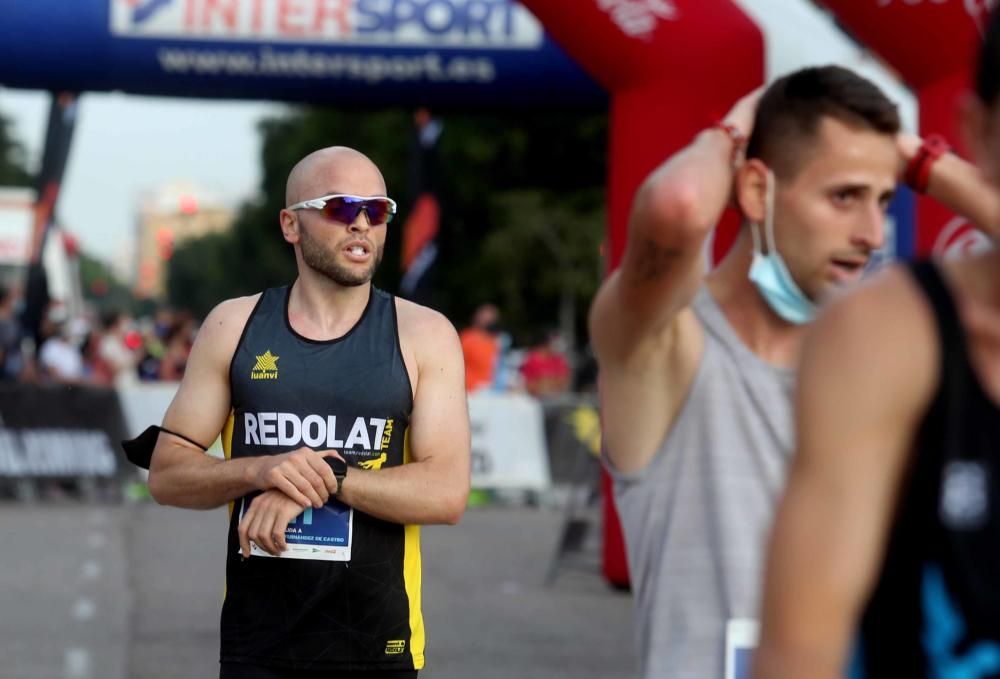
<point>133,592</point>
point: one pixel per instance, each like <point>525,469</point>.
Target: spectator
<point>96,369</point>
<point>112,349</point>
<point>10,337</point>
<point>151,354</point>
<point>481,347</point>
<point>59,359</point>
<point>177,346</point>
<point>545,370</point>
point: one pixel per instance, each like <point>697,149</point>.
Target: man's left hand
<point>265,522</point>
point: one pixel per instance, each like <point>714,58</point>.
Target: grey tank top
<point>697,518</point>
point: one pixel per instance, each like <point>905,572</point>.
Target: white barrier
<point>508,433</point>
<point>508,442</point>
<point>145,403</point>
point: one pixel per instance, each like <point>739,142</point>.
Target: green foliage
<point>13,167</point>
<point>102,288</point>
<point>522,216</point>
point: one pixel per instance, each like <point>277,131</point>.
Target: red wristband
<point>918,171</point>
<point>735,135</point>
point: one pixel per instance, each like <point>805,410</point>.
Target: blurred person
<point>545,370</point>
<point>885,556</point>
<point>163,321</point>
<point>697,371</point>
<point>177,348</point>
<point>372,385</point>
<point>481,348</point>
<point>59,358</point>
<point>97,370</point>
<point>150,354</point>
<point>112,348</point>
<point>10,336</point>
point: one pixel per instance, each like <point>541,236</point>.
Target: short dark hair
<point>110,317</point>
<point>791,109</point>
<point>988,72</point>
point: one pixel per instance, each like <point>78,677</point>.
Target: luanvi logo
<point>266,367</point>
<point>395,647</point>
<point>639,18</point>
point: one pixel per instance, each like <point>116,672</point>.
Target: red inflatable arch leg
<point>671,67</point>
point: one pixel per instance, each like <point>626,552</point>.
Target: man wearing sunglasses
<point>343,416</point>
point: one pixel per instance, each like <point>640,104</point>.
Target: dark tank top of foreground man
<point>939,587</point>
<point>351,394</point>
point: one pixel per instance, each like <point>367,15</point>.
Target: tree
<point>522,215</point>
<point>13,167</point>
<point>102,288</point>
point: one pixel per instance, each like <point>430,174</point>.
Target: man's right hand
<point>743,114</point>
<point>301,474</point>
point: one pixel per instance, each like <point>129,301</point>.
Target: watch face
<point>338,466</point>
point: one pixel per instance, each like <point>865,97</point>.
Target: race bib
<point>323,534</point>
<point>741,640</point>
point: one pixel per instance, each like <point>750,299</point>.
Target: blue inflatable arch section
<point>445,53</point>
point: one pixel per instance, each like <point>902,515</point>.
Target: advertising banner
<point>59,432</point>
<point>465,53</point>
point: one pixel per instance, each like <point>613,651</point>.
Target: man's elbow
<point>158,490</point>
<point>676,203</point>
<point>454,506</point>
<point>162,491</point>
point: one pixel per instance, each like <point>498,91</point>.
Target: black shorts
<point>232,670</point>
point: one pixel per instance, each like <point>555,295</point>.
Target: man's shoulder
<point>425,329</point>
<point>235,308</point>
<point>884,329</point>
<point>894,293</point>
<point>225,323</point>
<point>415,317</point>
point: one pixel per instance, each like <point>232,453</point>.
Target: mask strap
<point>769,213</point>
<point>755,234</point>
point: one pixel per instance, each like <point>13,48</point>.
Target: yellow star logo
<point>267,361</point>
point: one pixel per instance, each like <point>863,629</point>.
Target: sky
<point>126,146</point>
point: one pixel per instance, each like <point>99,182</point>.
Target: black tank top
<point>935,611</point>
<point>351,394</point>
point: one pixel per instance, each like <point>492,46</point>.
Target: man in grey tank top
<point>697,372</point>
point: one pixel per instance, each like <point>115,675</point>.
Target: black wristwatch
<point>339,468</point>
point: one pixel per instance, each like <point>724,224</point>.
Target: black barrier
<point>59,432</point>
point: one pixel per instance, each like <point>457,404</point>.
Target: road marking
<point>84,608</point>
<point>77,663</point>
<point>91,570</point>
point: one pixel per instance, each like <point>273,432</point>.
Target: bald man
<point>344,422</point>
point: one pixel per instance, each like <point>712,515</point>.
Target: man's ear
<point>289,226</point>
<point>751,189</point>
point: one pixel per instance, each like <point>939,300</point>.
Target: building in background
<point>177,212</point>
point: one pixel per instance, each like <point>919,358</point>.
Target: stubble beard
<point>324,262</point>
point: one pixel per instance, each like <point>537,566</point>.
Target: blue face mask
<point>770,275</point>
